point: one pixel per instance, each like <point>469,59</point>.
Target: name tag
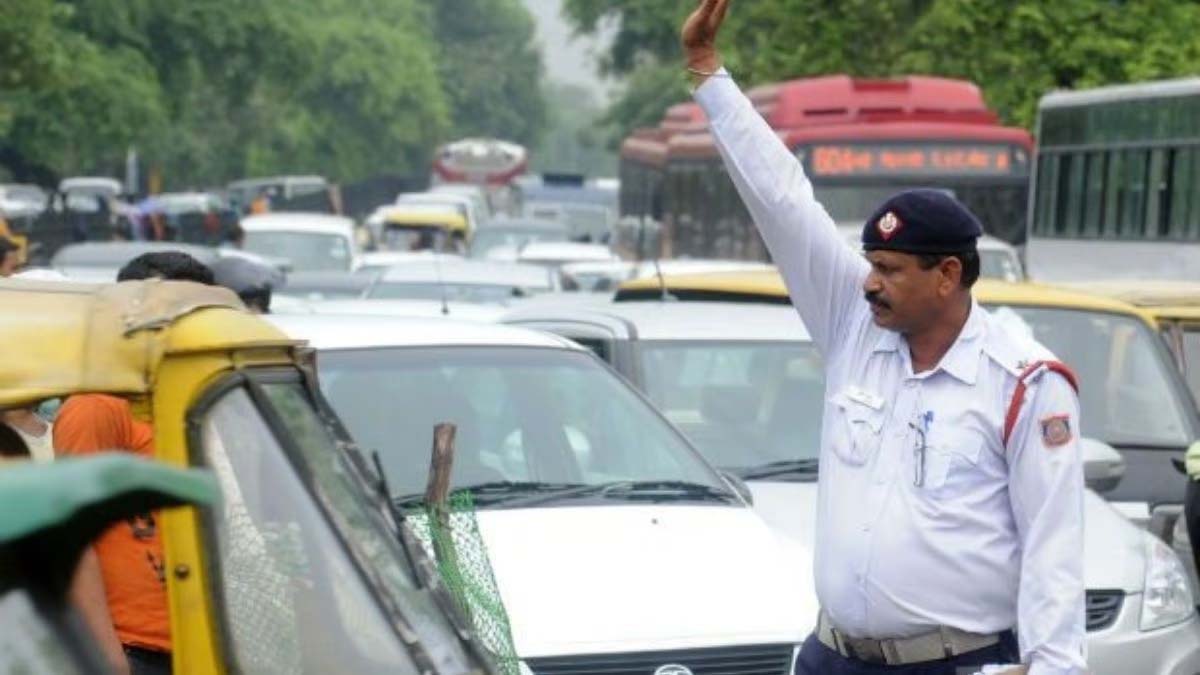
<point>864,397</point>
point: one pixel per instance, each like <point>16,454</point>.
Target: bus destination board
<point>848,160</point>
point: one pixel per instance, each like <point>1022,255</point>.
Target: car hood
<point>1114,549</point>
<point>630,578</point>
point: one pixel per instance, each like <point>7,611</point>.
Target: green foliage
<point>212,90</point>
<point>491,68</point>
<point>1016,51</point>
<point>574,142</point>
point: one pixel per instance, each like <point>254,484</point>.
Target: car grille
<point>1103,608</point>
<point>741,660</point>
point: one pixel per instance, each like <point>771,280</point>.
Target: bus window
<point>1133,202</point>
<point>1093,203</point>
<point>1156,195</point>
<point>1046,193</point>
<point>1112,195</point>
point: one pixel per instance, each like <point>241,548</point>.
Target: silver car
<point>746,384</point>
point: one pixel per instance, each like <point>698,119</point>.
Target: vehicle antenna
<point>437,270</point>
<point>664,295</point>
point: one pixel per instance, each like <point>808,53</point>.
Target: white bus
<point>1116,185</point>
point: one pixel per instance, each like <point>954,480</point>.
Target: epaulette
<point>1030,373</point>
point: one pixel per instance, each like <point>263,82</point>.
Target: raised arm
<point>823,273</point>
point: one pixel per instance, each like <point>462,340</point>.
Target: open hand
<point>699,35</point>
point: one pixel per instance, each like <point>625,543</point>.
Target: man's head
<point>10,257</point>
<point>921,246</point>
<point>252,281</point>
<point>167,265</point>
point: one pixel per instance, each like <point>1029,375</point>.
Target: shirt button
<point>866,527</point>
<point>911,384</point>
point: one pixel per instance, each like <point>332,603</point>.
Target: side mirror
<point>1103,466</point>
<point>739,486</point>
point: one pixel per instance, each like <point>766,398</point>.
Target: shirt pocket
<point>951,464</point>
<point>858,428</point>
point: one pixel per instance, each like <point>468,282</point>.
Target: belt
<point>943,643</point>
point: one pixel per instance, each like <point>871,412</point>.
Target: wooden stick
<point>437,494</point>
<point>437,490</point>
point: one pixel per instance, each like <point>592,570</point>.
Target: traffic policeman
<point>950,507</point>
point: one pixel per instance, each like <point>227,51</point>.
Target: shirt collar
<point>962,360</point>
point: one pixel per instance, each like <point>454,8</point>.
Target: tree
<point>1016,51</point>
<point>211,90</point>
<point>490,68</point>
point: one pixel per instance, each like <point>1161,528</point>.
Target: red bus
<point>860,140</point>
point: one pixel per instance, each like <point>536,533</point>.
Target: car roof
<point>566,250</point>
<point>117,253</point>
<point>299,222</point>
<point>468,272</point>
<point>667,320</point>
<point>362,332</point>
<point>443,197</point>
<point>430,309</point>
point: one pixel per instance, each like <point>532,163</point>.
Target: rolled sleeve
<point>1046,488</point>
<point>823,273</point>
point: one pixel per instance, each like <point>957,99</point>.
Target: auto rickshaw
<point>302,567</point>
<point>1175,306</point>
<point>49,513</point>
<point>418,228</point>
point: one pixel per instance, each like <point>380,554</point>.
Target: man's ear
<point>952,272</point>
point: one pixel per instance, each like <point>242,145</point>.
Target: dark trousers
<point>147,661</point>
<point>817,659</point>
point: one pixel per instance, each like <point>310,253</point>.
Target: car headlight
<point>1166,597</point>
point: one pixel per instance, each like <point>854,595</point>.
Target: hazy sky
<point>568,58</point>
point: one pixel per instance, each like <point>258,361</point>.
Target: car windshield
<point>488,239</point>
<point>1124,371</point>
<point>745,405</point>
<point>306,251</point>
<point>525,417</point>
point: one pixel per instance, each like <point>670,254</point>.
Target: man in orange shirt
<point>120,585</point>
<point>129,555</point>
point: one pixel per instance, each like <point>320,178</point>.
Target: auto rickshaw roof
<point>66,338</point>
<point>1163,299</point>
<point>768,286</point>
<point>85,494</point>
<point>413,214</point>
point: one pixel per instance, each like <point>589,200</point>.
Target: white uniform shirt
<point>992,538</point>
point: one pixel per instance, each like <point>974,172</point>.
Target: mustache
<point>874,298</point>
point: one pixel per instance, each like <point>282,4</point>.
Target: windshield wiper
<point>666,490</point>
<point>497,492</point>
<point>798,467</point>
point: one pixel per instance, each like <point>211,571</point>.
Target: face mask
<point>48,409</point>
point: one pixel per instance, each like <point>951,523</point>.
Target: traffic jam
<point>830,374</point>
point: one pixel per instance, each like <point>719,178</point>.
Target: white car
<point>745,383</point>
<point>309,242</point>
<point>613,543</point>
